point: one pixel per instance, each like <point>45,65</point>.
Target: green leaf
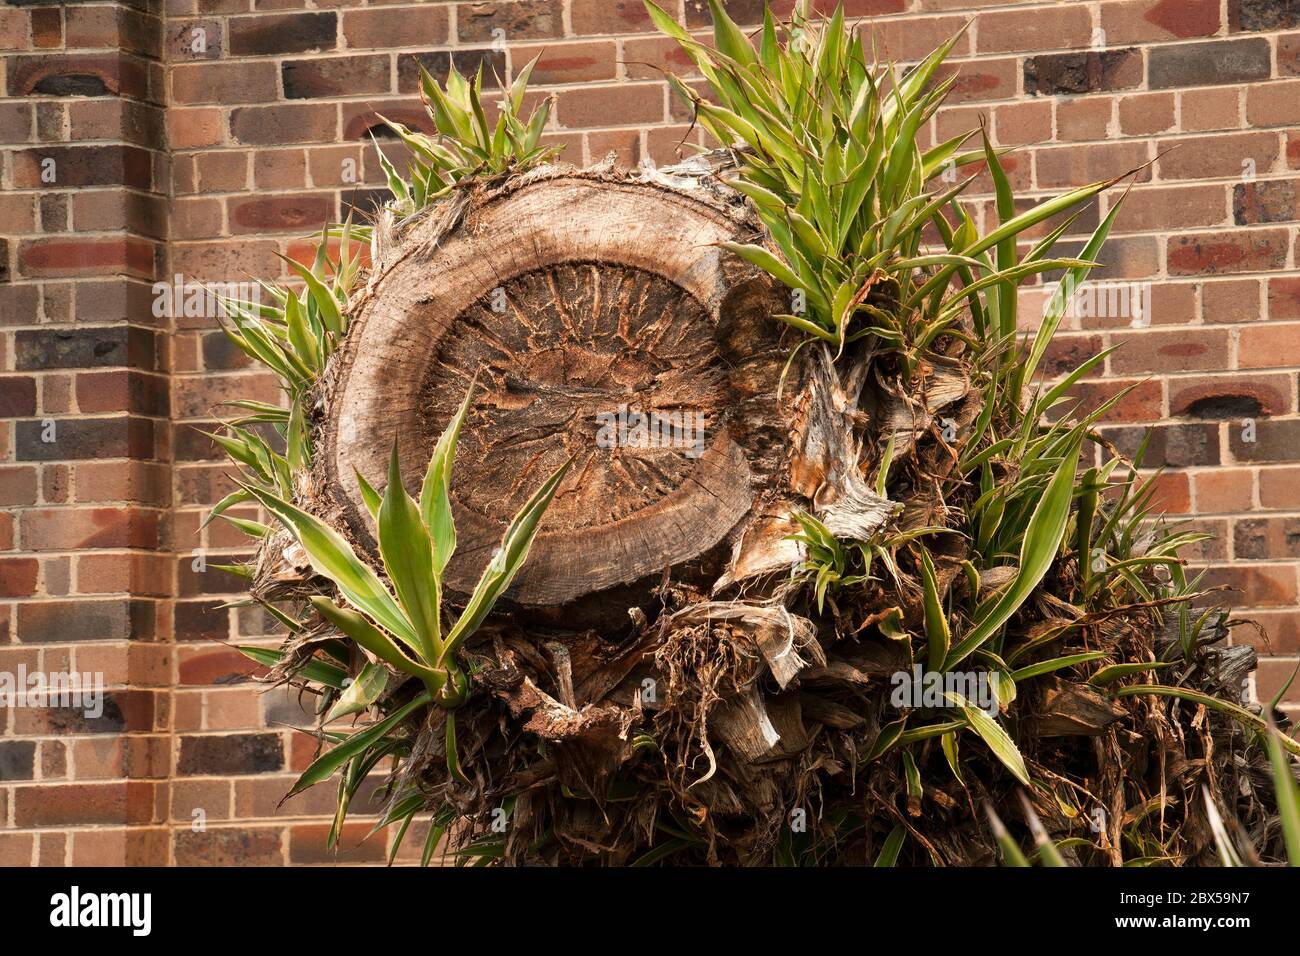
<point>372,498</point>
<point>368,636</point>
<point>324,766</point>
<point>330,555</point>
<point>1288,794</point>
<point>936,620</point>
<point>730,39</point>
<point>1114,672</point>
<point>313,670</point>
<point>507,561</point>
<point>435,493</point>
<point>1041,542</point>
<point>991,732</point>
<point>453,755</point>
<point>893,844</point>
<point>1056,664</point>
<point>326,304</point>
<point>407,550</point>
<point>1011,852</point>
<point>361,693</point>
<point>1056,306</point>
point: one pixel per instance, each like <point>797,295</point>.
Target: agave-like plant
<point>1060,571</point>
<point>400,624</point>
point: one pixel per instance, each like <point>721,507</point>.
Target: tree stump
<point>579,300</point>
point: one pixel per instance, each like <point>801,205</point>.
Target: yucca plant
<point>941,506</point>
<point>399,625</point>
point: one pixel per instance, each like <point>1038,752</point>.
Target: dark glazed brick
<point>83,166</point>
<point>438,63</point>
<point>45,622</point>
<point>1263,14</point>
<point>202,621</point>
<point>79,439</point>
<point>366,202</point>
<point>1274,440</point>
<point>1265,538</point>
<point>520,19</point>
<point>336,76</point>
<point>17,760</point>
<point>1090,72</point>
<point>17,396</point>
<point>288,33</point>
<point>1259,202</point>
<point>230,754</point>
<point>75,720</point>
<point>228,846</point>
<point>1212,62</point>
<point>1171,446</point>
<point>103,347</point>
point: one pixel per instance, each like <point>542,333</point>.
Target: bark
<point>571,296</point>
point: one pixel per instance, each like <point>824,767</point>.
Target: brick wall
<point>202,138</point>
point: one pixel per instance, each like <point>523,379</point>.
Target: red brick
<point>1280,487</point>
<point>1142,404</point>
<point>622,105</point>
<point>1234,300</point>
<point>1015,31</point>
<point>47,28</point>
<point>190,128</point>
<point>905,41</point>
<point>1261,585</point>
<point>1150,350</point>
<point>1139,21</point>
<point>296,123</point>
<point>1084,119</point>
<point>1257,250</point>
<point>1224,490</point>
<point>1210,109</point>
<point>422,25</point>
<point>1288,54</point>
<point>18,577</point>
<point>81,257</point>
<point>1209,157</point>
<point>307,844</point>
<point>78,74</point>
<point>223,82</point>
<point>1270,345</point>
<point>321,77</point>
<point>1273,104</point>
<point>229,846</point>
<point>282,33</point>
<point>1284,297</point>
<point>299,212</point>
<point>583,62</point>
<point>602,17</point>
<point>1280,631</point>
<point>1016,124</point>
<point>1144,113</point>
<point>65,529</point>
<point>1273,675</point>
<point>982,80</point>
<point>1069,166</point>
<point>1152,208</point>
<point>1173,493</point>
